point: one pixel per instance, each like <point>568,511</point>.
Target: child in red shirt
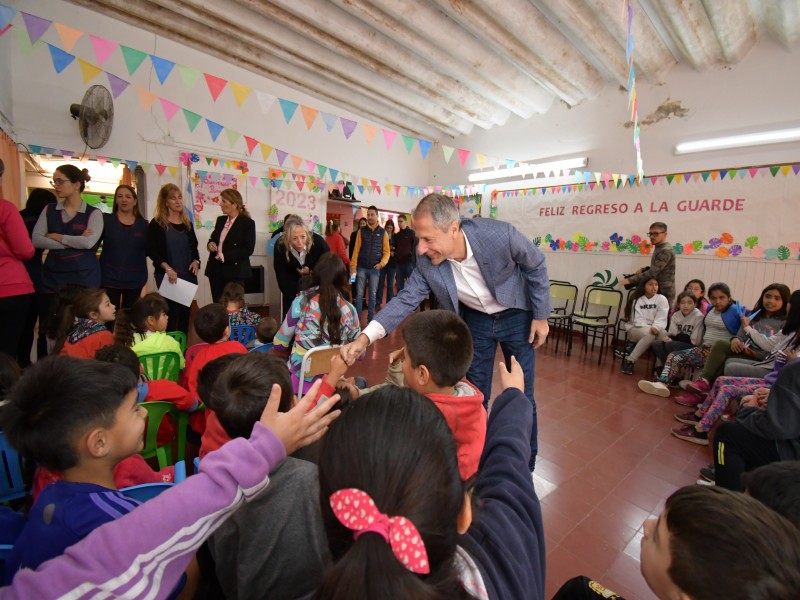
<point>82,330</point>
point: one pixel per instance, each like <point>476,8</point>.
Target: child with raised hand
<point>719,324</point>
<point>646,320</point>
<point>392,453</point>
<point>162,535</point>
<point>233,300</point>
<point>143,327</point>
<point>253,556</point>
<point>83,431</point>
<point>753,342</point>
<point>320,316</point>
<point>82,330</point>
<point>685,329</point>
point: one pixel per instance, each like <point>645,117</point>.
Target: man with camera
<point>662,263</point>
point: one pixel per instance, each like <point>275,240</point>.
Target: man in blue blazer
<point>490,274</point>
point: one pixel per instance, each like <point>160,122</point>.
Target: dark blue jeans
<point>387,275</point>
<point>404,271</point>
<point>361,283</point>
<point>510,329</point>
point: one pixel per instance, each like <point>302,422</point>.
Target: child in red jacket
<point>82,330</point>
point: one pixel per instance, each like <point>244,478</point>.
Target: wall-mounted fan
<point>95,116</point>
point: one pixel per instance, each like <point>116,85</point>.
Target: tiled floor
<point>606,462</point>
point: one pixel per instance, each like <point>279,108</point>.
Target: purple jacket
<point>144,553</point>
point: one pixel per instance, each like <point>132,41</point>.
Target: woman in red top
<point>82,331</point>
<point>16,289</point>
<point>335,241</point>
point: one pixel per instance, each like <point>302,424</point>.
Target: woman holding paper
<point>172,246</point>
<point>232,242</point>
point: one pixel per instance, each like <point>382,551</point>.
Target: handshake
<point>630,286</point>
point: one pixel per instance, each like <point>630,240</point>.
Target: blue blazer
<point>513,268</point>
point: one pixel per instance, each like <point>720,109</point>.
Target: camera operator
<point>662,263</point>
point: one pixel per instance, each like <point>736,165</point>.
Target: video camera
<point>630,286</point>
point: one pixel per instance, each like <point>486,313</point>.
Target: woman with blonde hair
<point>231,244</point>
<point>296,254</point>
<point>172,246</point>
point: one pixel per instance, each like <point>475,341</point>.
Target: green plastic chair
<point>161,365</point>
<point>180,337</point>
<point>156,411</point>
<point>598,326</point>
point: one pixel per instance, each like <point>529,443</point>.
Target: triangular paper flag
<point>265,150</point>
<point>409,142</point>
<point>173,170</point>
<point>388,137</point>
<point>369,132</point>
<point>424,148</point>
<point>288,107</point>
<point>334,174</point>
<point>309,115</point>
<point>5,29</point>
<point>296,161</point>
<point>251,144</point>
<point>189,76</point>
<point>161,169</point>
<point>170,108</point>
<point>774,170</point>
<point>36,26</point>
<point>311,166</point>
<point>253,181</point>
<point>146,98</point>
<point>240,92</point>
<point>145,166</point>
<point>131,165</point>
<point>330,121</point>
<point>115,161</point>
<point>448,152</point>
<point>68,35</point>
<point>215,85</point>
<point>6,15</point>
<point>162,66</point>
<point>61,59</point>
<point>348,127</point>
<point>214,129</point>
<point>463,155</point>
<point>89,70</point>
<point>103,48</point>
<point>281,156</point>
<point>265,100</point>
<point>192,119</point>
<point>322,170</point>
<point>481,158</point>
<point>117,85</point>
<point>233,136</point>
<point>133,58</point>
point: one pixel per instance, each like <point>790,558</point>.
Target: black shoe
<point>708,474</point>
<point>620,354</point>
<point>627,367</point>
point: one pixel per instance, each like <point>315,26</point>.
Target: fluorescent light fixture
<point>777,136</point>
<point>530,169</point>
<point>105,178</point>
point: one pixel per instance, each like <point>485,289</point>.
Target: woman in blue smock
<point>172,246</point>
<point>123,262</point>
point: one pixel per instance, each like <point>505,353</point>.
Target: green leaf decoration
<point>537,241</point>
<point>771,253</point>
<point>751,242</point>
<point>548,238</point>
<point>698,245</point>
<point>678,248</point>
<point>783,253</point>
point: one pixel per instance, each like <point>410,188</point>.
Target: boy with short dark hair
<point>212,325</point>
<point>255,558</point>
<point>214,436</point>
<point>436,357</point>
<point>265,331</point>
<point>776,485</point>
<point>84,430</point>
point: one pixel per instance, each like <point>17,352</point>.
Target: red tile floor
<point>606,462</point>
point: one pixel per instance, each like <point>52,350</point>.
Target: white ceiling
<point>439,68</point>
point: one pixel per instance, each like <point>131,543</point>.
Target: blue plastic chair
<point>146,491</point>
<point>12,485</point>
<point>244,334</point>
<point>11,525</point>
<point>262,348</point>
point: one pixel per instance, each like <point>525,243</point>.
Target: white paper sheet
<point>181,291</point>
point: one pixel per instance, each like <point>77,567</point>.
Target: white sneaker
<point>683,383</point>
<point>704,482</point>
<point>654,388</point>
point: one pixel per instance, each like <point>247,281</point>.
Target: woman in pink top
<point>16,288</point>
<point>335,241</point>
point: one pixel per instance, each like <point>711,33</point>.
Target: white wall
<point>40,107</point>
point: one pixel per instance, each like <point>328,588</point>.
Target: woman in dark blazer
<point>296,254</point>
<point>231,244</point>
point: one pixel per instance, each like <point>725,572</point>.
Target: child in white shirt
<point>646,316</point>
<point>685,329</point>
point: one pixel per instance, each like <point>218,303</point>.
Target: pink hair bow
<point>357,511</point>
